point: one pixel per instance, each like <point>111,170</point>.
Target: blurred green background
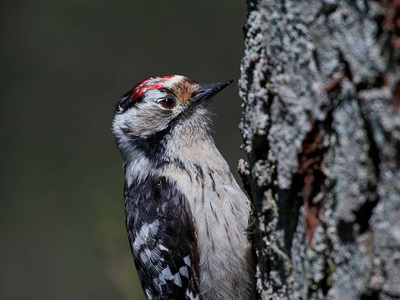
<point>64,64</point>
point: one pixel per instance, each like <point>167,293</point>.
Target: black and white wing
<point>162,238</point>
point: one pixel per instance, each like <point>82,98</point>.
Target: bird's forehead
<point>184,88</point>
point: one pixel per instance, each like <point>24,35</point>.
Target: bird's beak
<point>206,92</point>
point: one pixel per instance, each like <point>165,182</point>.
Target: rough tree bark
<point>321,127</point>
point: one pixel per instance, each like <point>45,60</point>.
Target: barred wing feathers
<point>162,238</point>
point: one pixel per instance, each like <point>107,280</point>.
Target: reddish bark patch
<point>391,21</point>
<point>333,83</point>
<point>311,177</point>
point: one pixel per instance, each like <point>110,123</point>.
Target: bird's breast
<point>220,211</point>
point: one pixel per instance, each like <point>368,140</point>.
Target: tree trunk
<point>321,92</point>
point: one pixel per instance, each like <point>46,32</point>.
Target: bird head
<point>155,106</point>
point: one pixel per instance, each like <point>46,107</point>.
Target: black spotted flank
<point>199,171</point>
<point>210,173</point>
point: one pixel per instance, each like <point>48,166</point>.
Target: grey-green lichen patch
<point>301,266</point>
<point>263,171</point>
<point>325,66</point>
<point>384,122</point>
<point>352,167</point>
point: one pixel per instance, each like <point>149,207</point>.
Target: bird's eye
<point>168,102</point>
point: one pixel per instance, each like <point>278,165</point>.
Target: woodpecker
<point>185,213</point>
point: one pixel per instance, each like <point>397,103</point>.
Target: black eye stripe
<point>167,91</point>
<point>126,100</point>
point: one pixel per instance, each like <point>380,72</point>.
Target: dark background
<point>64,64</point>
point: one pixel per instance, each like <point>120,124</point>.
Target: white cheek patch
<point>149,121</point>
<point>146,118</point>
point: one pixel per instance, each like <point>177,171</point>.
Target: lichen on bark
<point>321,127</point>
